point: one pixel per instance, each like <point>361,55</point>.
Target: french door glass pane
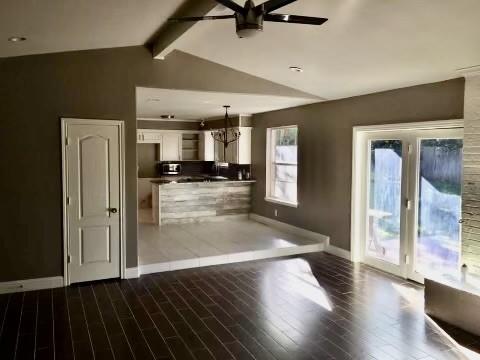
<point>438,235</point>
<point>385,186</point>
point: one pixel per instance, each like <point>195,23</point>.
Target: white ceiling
<point>65,25</point>
<point>366,46</point>
<point>195,105</point>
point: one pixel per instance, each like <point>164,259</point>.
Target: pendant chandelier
<point>226,135</point>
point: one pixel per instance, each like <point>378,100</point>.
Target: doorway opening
<point>195,193</point>
<point>407,197</point>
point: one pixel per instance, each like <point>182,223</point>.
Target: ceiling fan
<point>249,18</point>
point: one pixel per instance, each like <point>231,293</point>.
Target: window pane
<point>285,191</point>
<point>285,145</point>
<point>284,164</point>
<point>286,173</point>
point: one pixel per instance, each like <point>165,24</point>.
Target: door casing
<point>360,163</point>
<point>65,122</point>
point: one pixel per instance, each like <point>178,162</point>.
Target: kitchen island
<point>188,202</point>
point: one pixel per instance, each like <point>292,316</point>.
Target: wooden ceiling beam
<point>161,43</point>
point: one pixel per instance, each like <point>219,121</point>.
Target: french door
<point>412,202</point>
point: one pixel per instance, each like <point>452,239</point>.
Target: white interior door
<point>412,201</point>
<point>93,171</point>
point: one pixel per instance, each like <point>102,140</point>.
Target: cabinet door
<point>244,147</point>
<point>232,152</point>
<point>218,151</point>
<point>207,147</point>
<point>151,136</point>
<point>171,147</point>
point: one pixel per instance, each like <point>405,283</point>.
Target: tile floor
<point>175,246</point>
<point>314,306</point>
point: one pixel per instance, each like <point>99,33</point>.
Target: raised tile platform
<point>180,246</point>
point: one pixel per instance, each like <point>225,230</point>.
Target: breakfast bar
<point>195,201</point>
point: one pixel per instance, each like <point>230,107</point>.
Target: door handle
<point>112,210</point>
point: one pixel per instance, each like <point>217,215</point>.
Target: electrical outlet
<point>276,212</point>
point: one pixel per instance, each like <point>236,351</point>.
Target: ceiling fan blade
<point>295,19</point>
<point>272,5</point>
<point>200,18</point>
<point>231,5</point>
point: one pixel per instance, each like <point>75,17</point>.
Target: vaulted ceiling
<point>66,25</point>
<point>366,46</point>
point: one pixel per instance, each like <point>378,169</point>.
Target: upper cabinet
<point>149,136</point>
<point>207,146</point>
<point>198,145</point>
<point>237,152</point>
<point>169,143</point>
<point>171,147</point>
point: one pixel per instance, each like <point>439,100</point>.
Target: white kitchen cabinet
<point>207,146</point>
<point>169,143</point>
<point>149,136</point>
<point>238,152</point>
<point>243,150</point>
<point>171,147</point>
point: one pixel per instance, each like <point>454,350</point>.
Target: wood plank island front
<point>200,201</point>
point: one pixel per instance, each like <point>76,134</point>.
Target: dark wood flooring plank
<point>314,306</point>
<point>8,339</point>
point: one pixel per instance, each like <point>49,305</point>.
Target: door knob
<point>112,210</point>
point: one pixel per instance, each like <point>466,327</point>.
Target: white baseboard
<point>305,233</point>
<point>345,254</point>
<point>290,228</point>
<point>31,284</point>
<point>132,273</point>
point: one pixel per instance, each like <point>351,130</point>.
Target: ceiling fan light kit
<point>249,18</point>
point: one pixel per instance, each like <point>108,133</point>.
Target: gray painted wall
<point>168,125</point>
<point>35,92</point>
<point>147,156</point>
<point>325,149</point>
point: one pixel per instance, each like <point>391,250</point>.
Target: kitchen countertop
<point>172,183</point>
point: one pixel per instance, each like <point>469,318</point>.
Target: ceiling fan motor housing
<point>250,23</point>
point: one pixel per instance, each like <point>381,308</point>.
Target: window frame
<point>270,167</point>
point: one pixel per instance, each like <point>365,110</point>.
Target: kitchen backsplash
<point>232,171</point>
<point>197,168</point>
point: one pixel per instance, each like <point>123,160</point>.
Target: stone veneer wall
<point>471,174</point>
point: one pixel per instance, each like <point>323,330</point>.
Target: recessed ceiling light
<point>17,38</point>
<point>296,69</point>
<point>170,116</point>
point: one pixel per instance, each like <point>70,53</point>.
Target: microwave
<point>171,169</point>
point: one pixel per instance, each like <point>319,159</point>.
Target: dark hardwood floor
<point>315,306</point>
